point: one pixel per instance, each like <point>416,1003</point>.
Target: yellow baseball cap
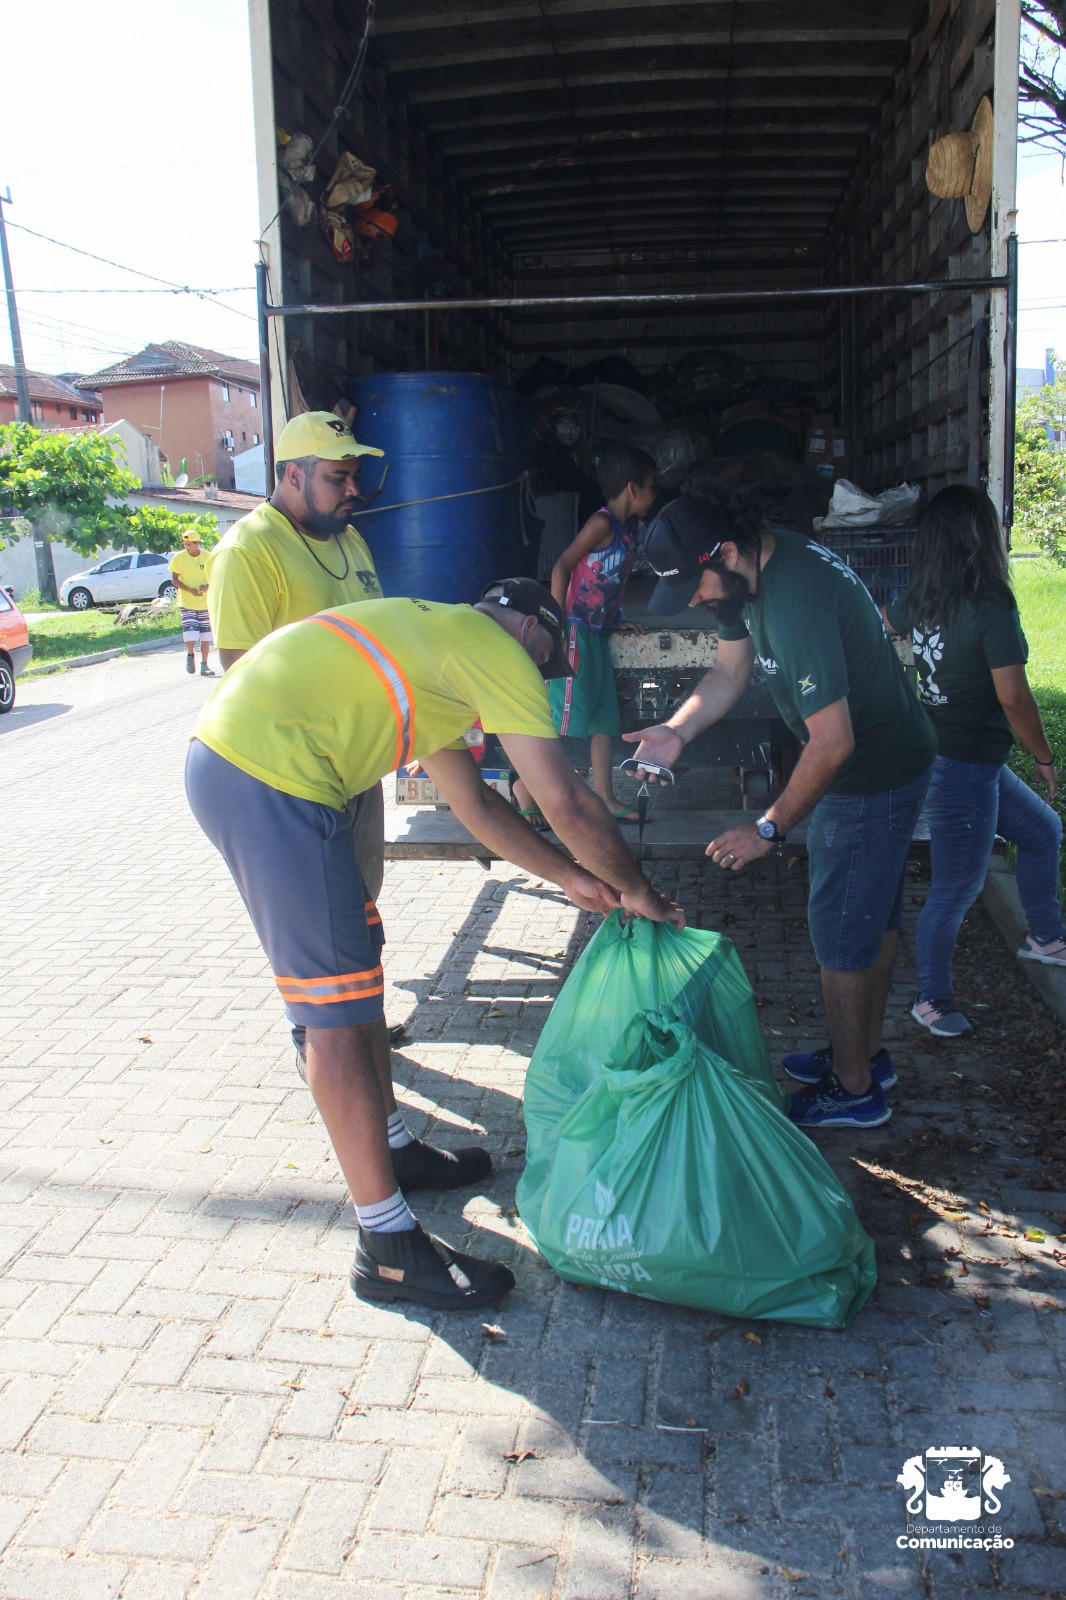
<point>320,434</point>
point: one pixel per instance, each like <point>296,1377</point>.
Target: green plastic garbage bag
<point>673,1178</point>
<point>634,966</point>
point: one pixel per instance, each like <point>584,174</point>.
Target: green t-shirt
<point>955,675</point>
<point>819,638</point>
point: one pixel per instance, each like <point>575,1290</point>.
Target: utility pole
<point>42,549</point>
<point>22,383</point>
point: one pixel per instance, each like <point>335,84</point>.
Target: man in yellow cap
<point>189,571</point>
<point>296,554</point>
<point>293,556</point>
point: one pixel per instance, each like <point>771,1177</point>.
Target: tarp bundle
<point>659,1160</point>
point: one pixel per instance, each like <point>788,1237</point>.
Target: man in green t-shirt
<point>322,710</point>
<point>819,639</point>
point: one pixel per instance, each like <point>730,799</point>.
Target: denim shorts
<point>294,863</point>
<point>857,851</point>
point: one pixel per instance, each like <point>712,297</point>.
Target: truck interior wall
<point>906,376</point>
<point>915,394</point>
<point>442,247</point>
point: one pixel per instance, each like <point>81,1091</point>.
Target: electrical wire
<point>237,288</point>
<point>180,288</point>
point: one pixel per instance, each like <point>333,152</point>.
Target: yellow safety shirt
<point>326,707</point>
<point>265,574</point>
<point>192,570</point>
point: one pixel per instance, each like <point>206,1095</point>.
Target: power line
<point>181,288</point>
<point>237,288</point>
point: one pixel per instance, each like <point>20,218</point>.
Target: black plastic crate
<point>880,557</point>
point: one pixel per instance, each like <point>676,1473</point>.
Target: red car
<point>15,648</point>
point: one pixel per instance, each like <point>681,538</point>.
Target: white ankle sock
<point>386,1216</point>
<point>399,1133</point>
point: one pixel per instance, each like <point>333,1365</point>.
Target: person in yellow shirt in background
<point>322,710</point>
<point>189,570</point>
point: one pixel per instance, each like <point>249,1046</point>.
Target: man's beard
<point>738,593</point>
<point>326,524</point>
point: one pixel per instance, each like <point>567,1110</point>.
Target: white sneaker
<point>1052,954</point>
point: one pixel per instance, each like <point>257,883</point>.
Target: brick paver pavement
<point>193,1402</point>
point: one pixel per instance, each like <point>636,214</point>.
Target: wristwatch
<point>769,830</point>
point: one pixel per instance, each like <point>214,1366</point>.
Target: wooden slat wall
<point>314,43</point>
<point>782,341</point>
<point>906,381</point>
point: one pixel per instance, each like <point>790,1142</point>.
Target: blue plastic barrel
<point>444,434</point>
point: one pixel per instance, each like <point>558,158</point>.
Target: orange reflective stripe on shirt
<point>373,915</point>
<point>389,673</point>
<point>327,991</point>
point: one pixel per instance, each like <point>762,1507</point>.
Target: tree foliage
<point>1042,79</point>
<point>72,487</point>
<point>1040,467</point>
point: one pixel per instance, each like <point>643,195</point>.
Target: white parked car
<point>136,576</point>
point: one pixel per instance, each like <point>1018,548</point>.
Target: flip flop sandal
<point>628,814</point>
<point>535,811</point>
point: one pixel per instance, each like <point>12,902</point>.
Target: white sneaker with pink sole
<point>1052,954</point>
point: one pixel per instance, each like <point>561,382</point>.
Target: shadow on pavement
<point>21,716</point>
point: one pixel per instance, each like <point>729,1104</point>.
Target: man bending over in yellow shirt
<point>320,711</point>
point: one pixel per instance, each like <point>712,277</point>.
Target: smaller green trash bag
<point>637,965</point>
<point>673,1177</point>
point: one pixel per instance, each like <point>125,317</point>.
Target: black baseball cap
<point>534,600</point>
<point>685,536</point>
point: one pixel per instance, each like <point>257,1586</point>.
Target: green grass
<point>1041,590</point>
<point>66,634</point>
<point>31,601</point>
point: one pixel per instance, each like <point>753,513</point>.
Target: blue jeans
<point>969,803</point>
<point>857,853</point>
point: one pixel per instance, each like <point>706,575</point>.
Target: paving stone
<point>524,1572</point>
<point>240,1565</point>
<point>325,1529</point>
<point>453,1563</point>
<point>152,1480</point>
<point>71,1504</point>
<point>185,1295</point>
<point>26,1576</point>
<point>141,1534</point>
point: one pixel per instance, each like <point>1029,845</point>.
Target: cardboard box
<point>422,791</point>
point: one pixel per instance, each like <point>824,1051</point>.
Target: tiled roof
<point>173,359</point>
<point>198,500</point>
<point>42,387</point>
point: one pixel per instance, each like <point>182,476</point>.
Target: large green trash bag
<point>637,965</point>
<point>673,1178</point>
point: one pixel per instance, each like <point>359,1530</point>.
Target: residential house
<point>201,406</point>
<point>18,566</point>
<point>54,403</point>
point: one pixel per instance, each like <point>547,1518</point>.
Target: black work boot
<point>413,1265</point>
<point>423,1166</point>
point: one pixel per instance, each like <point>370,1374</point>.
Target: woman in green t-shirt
<point>970,652</point>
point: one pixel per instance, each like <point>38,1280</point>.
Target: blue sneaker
<point>810,1067</point>
<point>827,1105</point>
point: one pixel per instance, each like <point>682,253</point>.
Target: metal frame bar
<point>1008,282</point>
<point>696,297</point>
<point>1010,383</point>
